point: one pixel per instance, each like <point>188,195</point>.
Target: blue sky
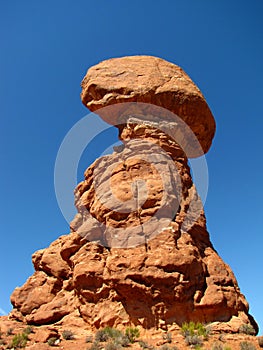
<point>46,48</point>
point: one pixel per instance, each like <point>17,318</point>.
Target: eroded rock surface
<point>139,252</point>
<point>153,81</point>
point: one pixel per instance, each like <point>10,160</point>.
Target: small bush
<point>247,329</point>
<point>194,340</point>
<point>113,345</point>
<point>217,346</point>
<point>191,329</point>
<point>245,345</point>
<point>19,340</point>
<point>167,347</point>
<point>106,333</point>
<point>144,345</point>
<point>95,346</point>
<point>2,342</point>
<point>53,341</point>
<point>168,337</point>
<point>123,341</point>
<point>67,335</point>
<point>132,333</point>
<point>28,330</point>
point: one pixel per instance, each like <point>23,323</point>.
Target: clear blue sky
<point>46,48</point>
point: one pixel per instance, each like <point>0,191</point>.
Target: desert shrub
<point>19,340</point>
<point>191,329</point>
<point>67,335</point>
<point>2,342</point>
<point>194,340</point>
<point>167,347</point>
<point>113,345</point>
<point>260,341</point>
<point>144,345</point>
<point>123,340</point>
<point>106,333</point>
<point>245,345</point>
<point>247,329</point>
<point>168,337</point>
<point>217,346</point>
<point>53,341</point>
<point>95,346</point>
<point>132,333</point>
<point>28,330</point>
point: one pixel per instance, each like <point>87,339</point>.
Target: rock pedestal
<point>139,252</point>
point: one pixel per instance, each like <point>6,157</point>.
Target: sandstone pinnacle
<point>139,253</point>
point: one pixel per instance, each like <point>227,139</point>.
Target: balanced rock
<point>149,80</point>
<point>139,252</point>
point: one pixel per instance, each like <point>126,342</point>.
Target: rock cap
<point>150,80</point>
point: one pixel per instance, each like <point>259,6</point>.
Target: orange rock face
<point>153,81</point>
<point>139,252</point>
<point>171,277</point>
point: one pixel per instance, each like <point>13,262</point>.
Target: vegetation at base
<point>95,346</point>
<point>67,335</point>
<point>168,337</point>
<point>28,330</point>
<point>167,347</point>
<point>195,333</point>
<point>106,333</point>
<point>245,345</point>
<point>247,329</point>
<point>19,341</point>
<point>219,346</point>
<point>144,345</point>
<point>132,333</point>
<point>53,341</point>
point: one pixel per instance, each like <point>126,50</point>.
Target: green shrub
<point>132,333</point>
<point>67,335</point>
<point>245,345</point>
<point>106,333</point>
<point>247,329</point>
<point>191,329</point>
<point>19,340</point>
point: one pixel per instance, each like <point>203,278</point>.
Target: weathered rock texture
<point>152,277</point>
<point>150,80</point>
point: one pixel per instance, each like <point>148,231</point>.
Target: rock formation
<point>139,252</point>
